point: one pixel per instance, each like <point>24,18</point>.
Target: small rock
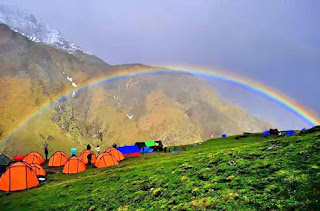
<point>232,163</point>
<point>92,208</point>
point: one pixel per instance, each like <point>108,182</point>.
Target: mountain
<point>178,109</point>
<point>30,26</point>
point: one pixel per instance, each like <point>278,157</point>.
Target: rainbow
<point>213,74</point>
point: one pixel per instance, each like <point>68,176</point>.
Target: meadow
<point>235,173</point>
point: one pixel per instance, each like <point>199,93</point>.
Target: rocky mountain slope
<point>177,109</point>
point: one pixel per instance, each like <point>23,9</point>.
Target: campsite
<point>255,172</point>
<point>159,105</point>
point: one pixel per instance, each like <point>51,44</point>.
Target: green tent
<point>150,143</point>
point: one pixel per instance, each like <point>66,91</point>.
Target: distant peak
<point>33,28</point>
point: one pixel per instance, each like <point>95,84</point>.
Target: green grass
<point>269,173</point>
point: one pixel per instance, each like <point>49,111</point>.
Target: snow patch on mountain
<point>35,30</point>
<point>130,116</point>
<point>69,79</point>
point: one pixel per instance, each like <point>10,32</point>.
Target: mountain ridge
<point>33,28</point>
<point>177,109</point>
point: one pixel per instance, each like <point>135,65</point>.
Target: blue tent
<point>224,136</point>
<point>266,133</point>
<point>303,129</point>
<point>146,150</point>
<point>132,150</point>
<point>290,133</point>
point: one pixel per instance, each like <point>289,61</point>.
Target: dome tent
<point>58,159</point>
<point>84,156</point>
<point>18,176</point>
<point>74,165</point>
<point>40,172</point>
<point>146,150</point>
<point>34,157</point>
<point>116,154</point>
<point>105,159</point>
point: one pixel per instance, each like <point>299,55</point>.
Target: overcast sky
<point>275,42</point>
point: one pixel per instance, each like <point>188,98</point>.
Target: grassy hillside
<point>233,174</point>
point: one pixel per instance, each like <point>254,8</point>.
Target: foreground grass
<point>245,174</point>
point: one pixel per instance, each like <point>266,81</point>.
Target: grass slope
<point>269,173</point>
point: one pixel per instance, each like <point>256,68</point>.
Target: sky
<point>275,42</point>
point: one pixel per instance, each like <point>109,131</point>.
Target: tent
<point>146,150</point>
<point>274,132</point>
<point>84,156</point>
<point>266,133</point>
<point>4,159</point>
<point>58,159</point>
<point>158,146</point>
<point>155,145</point>
<point>140,144</point>
<point>159,143</point>
<point>19,157</point>
<point>290,133</point>
<point>132,150</point>
<point>18,176</point>
<point>38,170</point>
<point>34,157</point>
<point>150,143</point>
<point>74,165</point>
<point>224,135</point>
<point>179,149</point>
<point>105,159</point>
<point>116,154</point>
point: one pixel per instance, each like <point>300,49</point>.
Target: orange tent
<point>74,165</point>
<point>18,176</point>
<point>105,159</point>
<point>34,157</point>
<point>58,159</point>
<point>84,155</point>
<point>38,170</point>
<point>116,154</point>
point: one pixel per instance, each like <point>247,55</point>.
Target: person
<point>98,149</point>
<point>88,147</point>
<point>46,151</point>
<point>165,149</point>
<point>89,156</point>
<point>73,151</point>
